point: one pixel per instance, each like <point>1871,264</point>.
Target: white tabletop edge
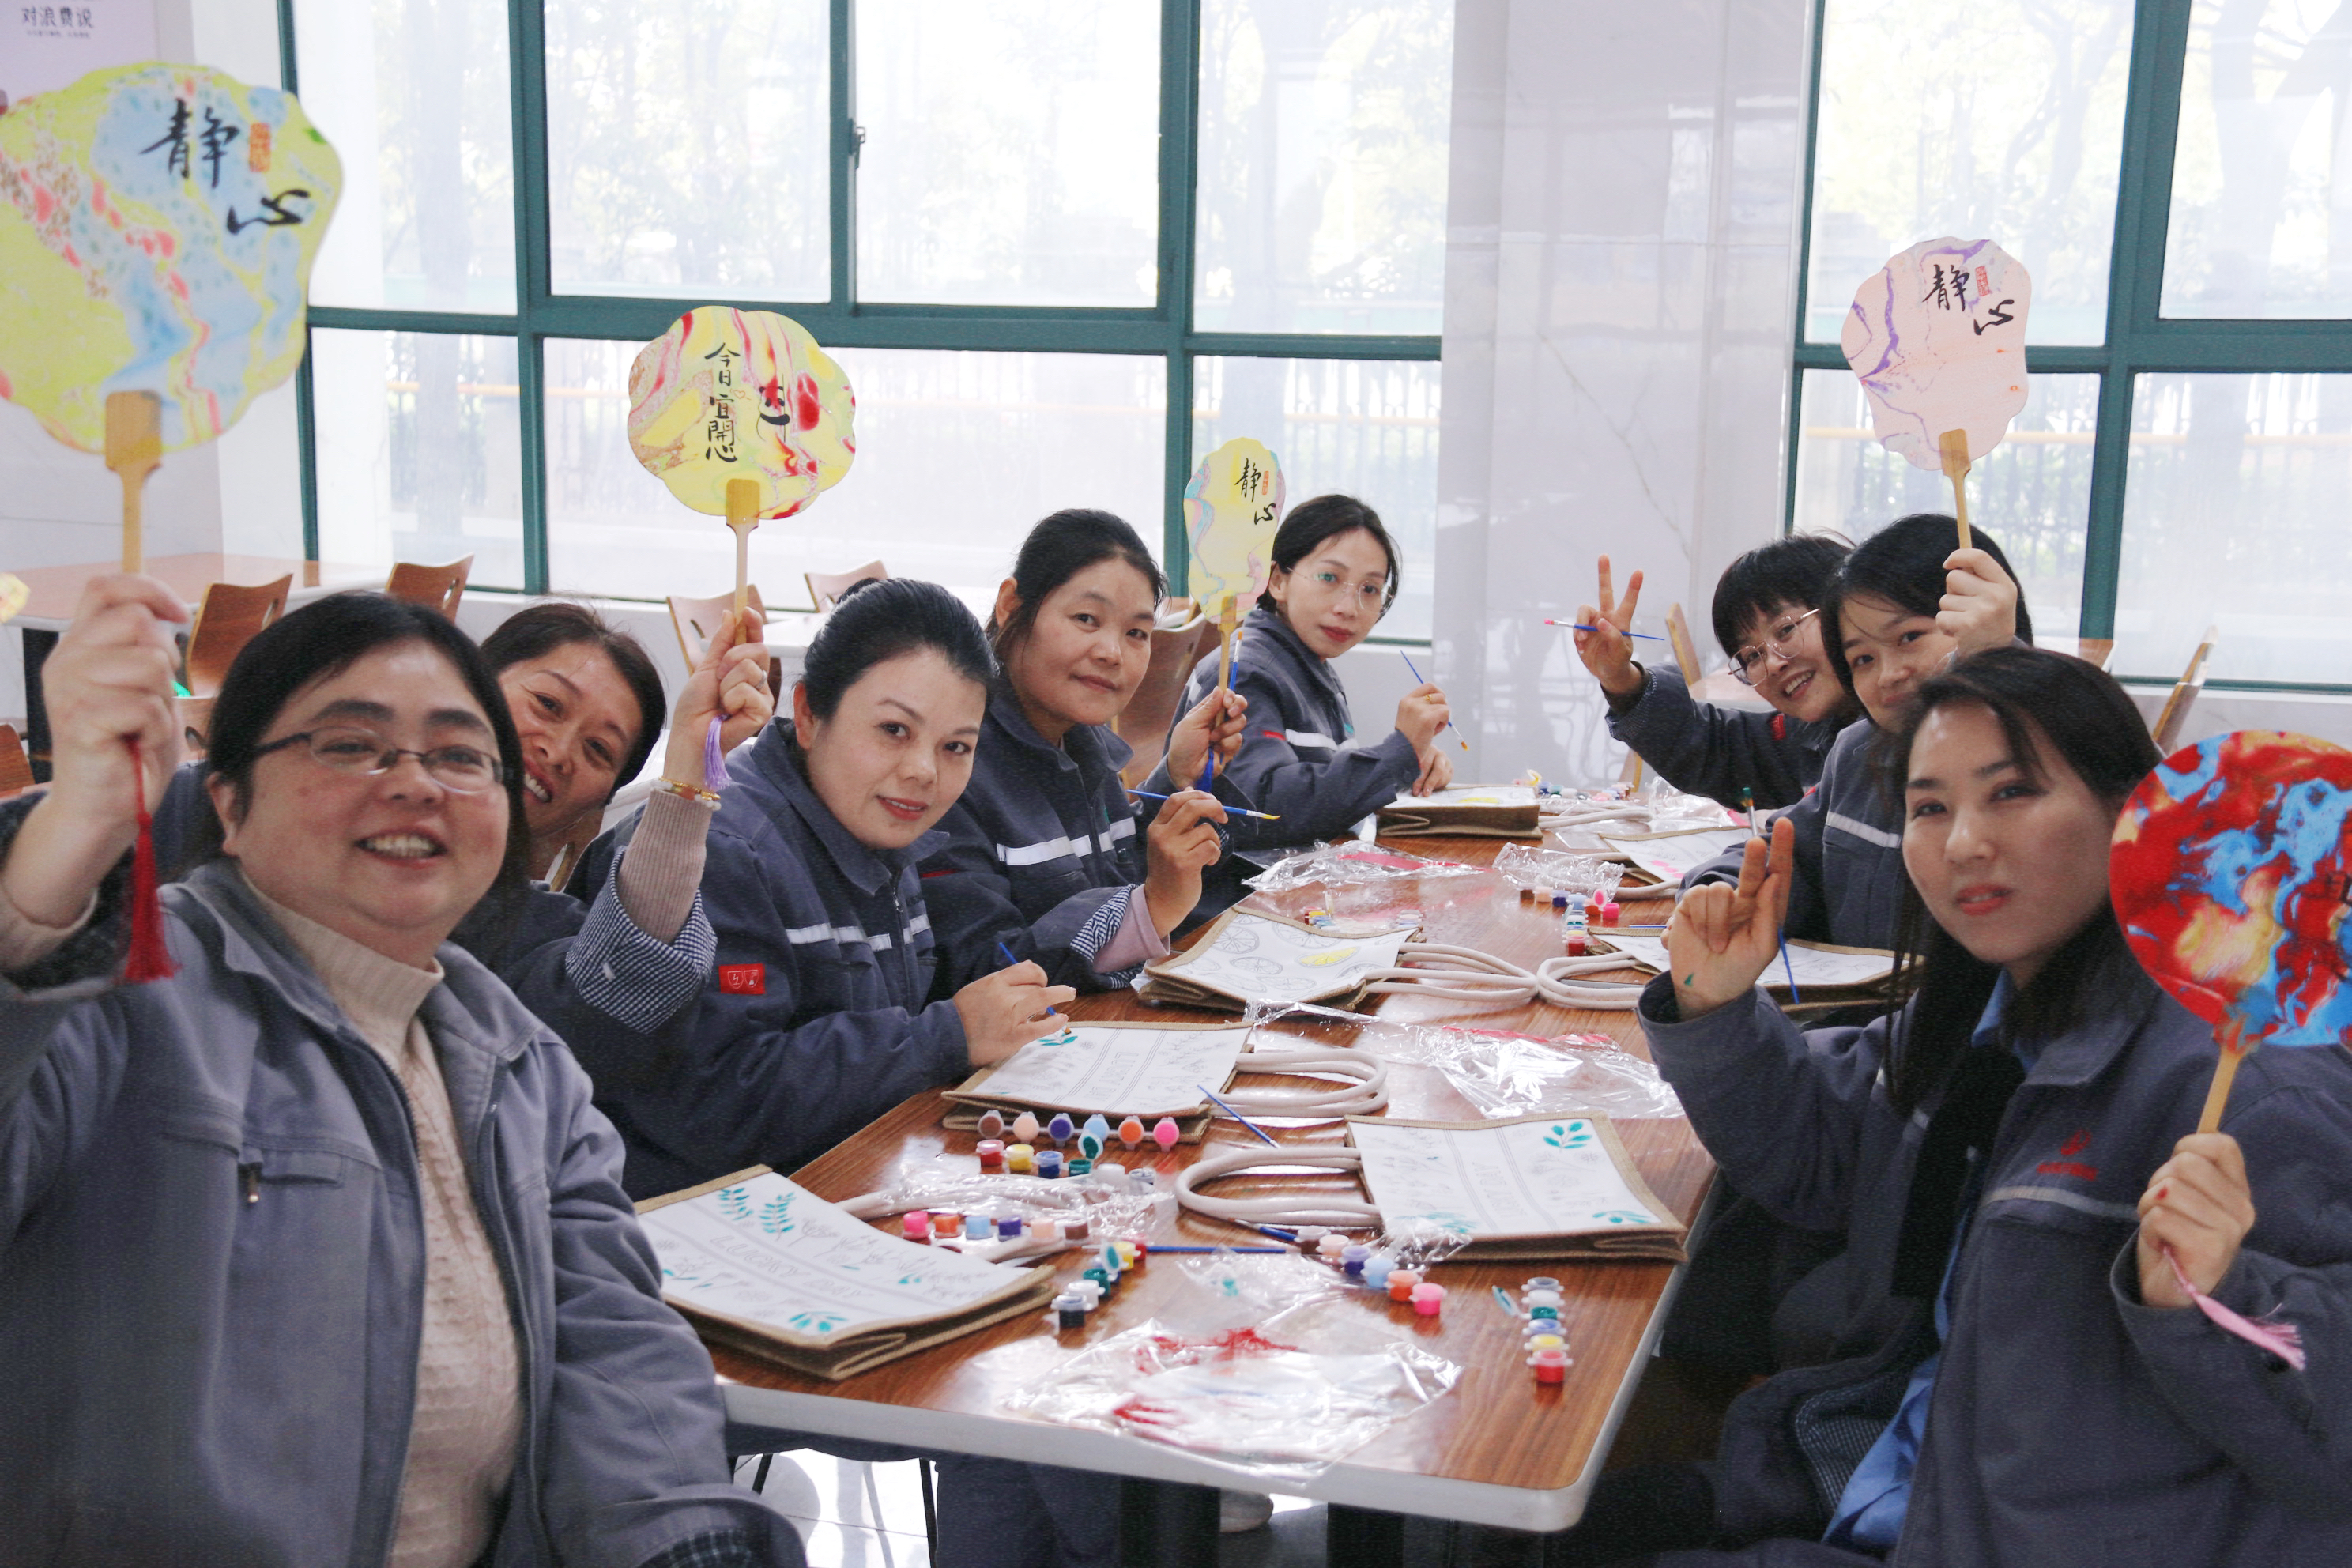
<point>1350,1486</point>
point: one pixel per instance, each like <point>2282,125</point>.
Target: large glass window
<point>685,149</point>
<point>1011,151</point>
<point>2261,179</point>
<point>2031,494</point>
<point>1323,142</point>
<point>2235,519</point>
<point>973,205</point>
<point>1366,427</point>
<point>2003,119</point>
<point>422,459</point>
<point>414,95</point>
<point>957,455</point>
<point>2167,171</point>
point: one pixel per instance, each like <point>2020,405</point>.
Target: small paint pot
<point>1427,1298</point>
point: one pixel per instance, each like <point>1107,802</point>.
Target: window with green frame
<point>2176,175</point>
<point>1061,246</point>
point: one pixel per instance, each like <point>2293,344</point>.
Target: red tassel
<point>149,958</point>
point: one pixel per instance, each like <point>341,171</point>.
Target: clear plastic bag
<point>1228,1290</point>
<point>1349,863</point>
<point>1253,1399</point>
<point>1503,1074</point>
<point>1512,1075</point>
<point>1582,875</point>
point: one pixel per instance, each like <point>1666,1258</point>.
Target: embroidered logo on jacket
<point>2067,1164</point>
<point>743,979</point>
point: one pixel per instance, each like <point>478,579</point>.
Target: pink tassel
<point>2283,1341</point>
<point>714,761</point>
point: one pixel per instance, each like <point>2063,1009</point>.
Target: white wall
<point>1618,314</point>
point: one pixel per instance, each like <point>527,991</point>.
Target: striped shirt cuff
<point>631,978</point>
<point>1121,939</point>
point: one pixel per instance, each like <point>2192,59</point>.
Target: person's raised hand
<point>729,683</point>
<point>2198,1204</point>
<point>1219,722</point>
<point>1004,1011</point>
<point>1979,605</point>
<point>108,684</point>
<point>1181,843</point>
<point>1606,651</point>
<point>1721,938</point>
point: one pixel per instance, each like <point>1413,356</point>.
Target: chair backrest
<point>825,588</point>
<point>15,768</point>
<point>435,587</point>
<point>226,620</point>
<point>2174,717</point>
<point>694,620</point>
<point>1143,722</point>
<point>1685,651</point>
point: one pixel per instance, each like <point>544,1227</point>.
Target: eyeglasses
<point>1745,662</point>
<point>462,770</point>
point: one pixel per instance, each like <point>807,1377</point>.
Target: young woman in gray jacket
<point>2013,1155</point>
<point>316,1252</point>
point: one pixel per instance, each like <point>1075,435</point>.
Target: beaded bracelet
<point>706,798</point>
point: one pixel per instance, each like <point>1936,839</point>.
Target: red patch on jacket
<point>1780,726</point>
<point>743,979</point>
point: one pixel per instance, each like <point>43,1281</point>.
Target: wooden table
<point>55,592</point>
<point>1499,1450</point>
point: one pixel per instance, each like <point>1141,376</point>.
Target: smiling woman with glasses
<point>1767,619</point>
<point>319,1237</point>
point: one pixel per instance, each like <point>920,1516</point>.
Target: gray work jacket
<point>2071,1425</point>
<point>212,1265</point>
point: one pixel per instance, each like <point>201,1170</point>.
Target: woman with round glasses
<point>1334,577</point>
<point>1765,618</point>
<point>318,1241</point>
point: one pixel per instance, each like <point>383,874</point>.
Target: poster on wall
<point>47,45</point>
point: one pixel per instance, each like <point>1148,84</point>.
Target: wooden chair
<point>1143,723</point>
<point>15,768</point>
<point>825,588</point>
<point>695,620</point>
<point>1685,651</point>
<point>435,587</point>
<point>226,621</point>
<point>2174,717</point>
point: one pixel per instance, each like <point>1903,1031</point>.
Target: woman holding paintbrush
<point>1046,859</point>
<point>1334,575</point>
<point>2012,1157</point>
